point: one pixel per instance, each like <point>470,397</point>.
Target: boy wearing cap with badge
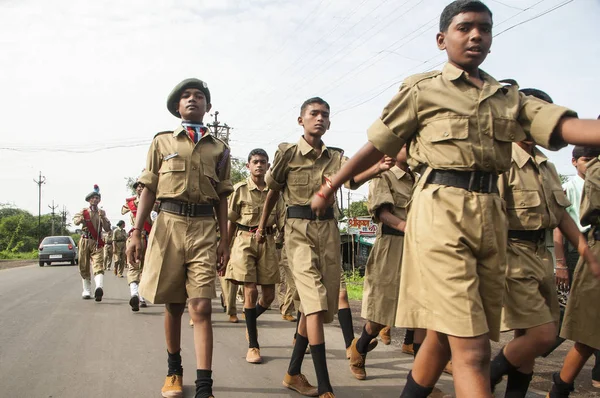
<point>188,171</point>
<point>93,221</point>
<point>460,123</point>
<point>134,270</point>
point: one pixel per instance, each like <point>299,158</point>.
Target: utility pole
<point>41,180</point>
<point>63,218</point>
<point>52,208</point>
<point>219,130</point>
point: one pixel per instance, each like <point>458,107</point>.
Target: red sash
<point>133,209</point>
<point>90,227</point>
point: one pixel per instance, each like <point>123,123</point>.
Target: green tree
<point>239,172</point>
<point>563,178</point>
<point>357,209</point>
<point>129,181</point>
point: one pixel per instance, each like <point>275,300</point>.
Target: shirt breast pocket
<point>298,183</point>
<point>172,176</point>
<point>445,141</point>
<point>506,131</point>
<point>521,205</point>
<point>248,209</point>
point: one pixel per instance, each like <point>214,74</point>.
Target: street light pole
<point>41,180</point>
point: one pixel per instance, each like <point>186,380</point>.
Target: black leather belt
<point>268,230</point>
<point>187,209</point>
<point>536,235</point>
<point>387,230</point>
<point>474,181</point>
<point>306,213</point>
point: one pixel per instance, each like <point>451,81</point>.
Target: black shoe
<point>98,293</point>
<point>143,304</point>
<point>134,302</point>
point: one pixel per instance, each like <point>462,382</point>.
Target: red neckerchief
<point>90,227</point>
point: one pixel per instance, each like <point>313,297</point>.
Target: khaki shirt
<point>125,209</point>
<point>98,219</point>
<point>108,237</point>
<point>246,205</point>
<point>119,235</point>
<point>179,170</point>
<point>590,200</point>
<point>393,187</point>
<point>452,124</point>
<point>299,171</point>
<point>532,191</point>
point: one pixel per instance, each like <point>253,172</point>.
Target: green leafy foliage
<point>239,172</point>
<point>354,285</point>
<point>357,209</point>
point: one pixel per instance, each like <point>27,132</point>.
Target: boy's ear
<point>574,162</point>
<point>440,38</point>
<point>329,125</point>
<point>248,165</point>
<point>300,121</point>
<point>268,165</point>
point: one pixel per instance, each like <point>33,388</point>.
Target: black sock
<point>260,310</point>
<point>251,327</point>
<point>345,318</point>
<point>416,348</point>
<point>560,389</point>
<point>320,362</point>
<point>203,383</point>
<point>298,355</point>
<point>409,337</point>
<point>363,342</point>
<point>174,362</point>
<point>413,390</point>
<point>297,323</point>
<point>498,368</point>
<point>517,384</point>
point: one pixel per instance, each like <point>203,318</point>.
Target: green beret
<point>175,96</point>
<point>95,192</point>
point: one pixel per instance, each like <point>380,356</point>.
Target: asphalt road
<point>54,344</point>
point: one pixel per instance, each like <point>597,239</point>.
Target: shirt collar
<point>306,148</point>
<point>520,156</point>
<point>180,129</point>
<point>452,73</point>
<point>252,186</point>
<point>398,172</point>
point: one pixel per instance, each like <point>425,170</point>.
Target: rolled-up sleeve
<point>397,124</point>
<point>379,195</point>
<point>277,174</point>
<point>539,120</point>
<point>149,176</point>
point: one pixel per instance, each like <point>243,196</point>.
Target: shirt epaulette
<point>163,132</point>
<point>285,146</point>
<point>419,77</point>
<point>509,82</point>
<point>220,140</point>
<point>240,184</point>
<point>336,149</point>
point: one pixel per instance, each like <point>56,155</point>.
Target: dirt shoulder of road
<point>6,264</point>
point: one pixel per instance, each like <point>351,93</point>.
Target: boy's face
<point>94,200</point>
<point>258,165</point>
<point>581,165</point>
<point>192,105</point>
<point>139,189</point>
<point>468,39</point>
<point>315,119</point>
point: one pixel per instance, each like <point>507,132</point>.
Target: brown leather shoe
<point>448,368</point>
<point>288,317</point>
<point>408,349</point>
<point>437,393</point>
<point>299,384</point>
<point>595,383</point>
<point>372,344</point>
<point>385,335</point>
<point>191,322</point>
<point>233,319</point>
<point>327,395</point>
<point>253,355</point>
<point>357,362</point>
<point>173,386</point>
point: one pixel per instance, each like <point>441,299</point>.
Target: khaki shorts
<point>313,249</point>
<point>181,259</point>
<point>452,277</point>
<point>251,262</point>
<point>582,316</point>
<point>530,297</point>
<point>382,280</point>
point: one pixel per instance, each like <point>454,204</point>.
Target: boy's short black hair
<point>313,100</point>
<point>534,92</point>
<point>458,7</point>
<point>585,152</point>
<point>121,222</point>
<point>258,152</point>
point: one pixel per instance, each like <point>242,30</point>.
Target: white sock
<point>133,289</point>
<point>99,280</point>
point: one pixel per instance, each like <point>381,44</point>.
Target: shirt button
<point>193,189</point>
<point>446,134</point>
<point>511,136</point>
<point>194,168</point>
<point>486,132</point>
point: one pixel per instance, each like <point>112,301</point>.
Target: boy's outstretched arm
<point>575,131</point>
<point>366,157</point>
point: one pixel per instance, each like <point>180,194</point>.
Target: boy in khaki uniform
<point>389,195</point>
<point>582,317</point>
<point>134,270</point>
<point>460,123</point>
<point>535,204</point>
<point>188,170</point>
<point>119,246</point>
<point>108,250</point>
<point>93,221</point>
<point>252,264</point>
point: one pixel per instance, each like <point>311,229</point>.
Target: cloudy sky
<point>83,85</point>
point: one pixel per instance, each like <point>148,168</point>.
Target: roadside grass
<point>8,255</point>
<point>354,285</point>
